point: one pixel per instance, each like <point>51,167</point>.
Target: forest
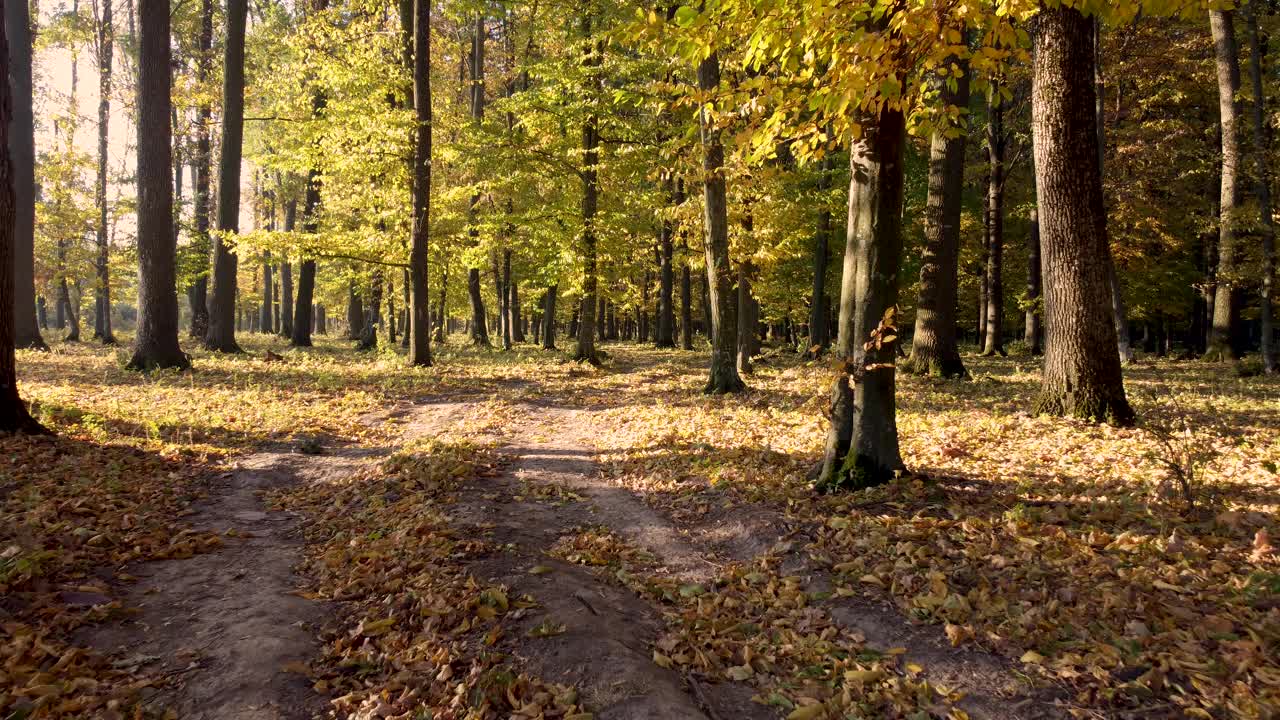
<point>741,359</point>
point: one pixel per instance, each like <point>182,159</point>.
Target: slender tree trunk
<point>819,333</point>
<point>1224,302</point>
<point>156,342</point>
<point>934,348</point>
<point>587,327</point>
<point>995,224</point>
<point>23,153</point>
<point>442,317</point>
<point>723,375</point>
<point>664,335</point>
<point>549,319</point>
<point>1082,377</point>
<point>1119,312</point>
<point>1262,176</point>
<point>1032,332</point>
<point>198,293</point>
<point>420,315</point>
<point>983,278</point>
<point>102,288</point>
<point>14,416</point>
<point>746,332</point>
<point>862,442</point>
<point>267,285</point>
<point>221,336</point>
<point>504,304</point>
<point>517,323</point>
<point>286,274</point>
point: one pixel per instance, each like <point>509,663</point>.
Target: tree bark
<point>102,289</point>
<point>746,332</point>
<point>549,319</point>
<point>1224,302</point>
<point>664,333</point>
<point>221,336</point>
<point>156,342</point>
<point>723,374</point>
<point>819,333</point>
<point>587,327</point>
<point>934,347</point>
<point>267,286</point>
<point>995,224</point>
<point>517,323</point>
<point>198,293</point>
<point>1032,332</point>
<point>286,274</point>
<point>1082,377</point>
<point>1119,312</point>
<point>14,416</point>
<point>1262,177</point>
<point>862,442</point>
<point>23,154</point>
<point>302,315</point>
<point>420,315</point>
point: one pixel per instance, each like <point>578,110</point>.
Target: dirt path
<point>223,628</point>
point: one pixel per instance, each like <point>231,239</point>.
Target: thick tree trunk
<point>1032,332</point>
<point>302,315</point>
<point>14,416</point>
<point>819,333</point>
<point>934,348</point>
<point>420,315</point>
<point>221,336</point>
<point>549,319</point>
<point>22,151</point>
<point>102,288</point>
<point>723,375</point>
<point>1082,377</point>
<point>156,342</point>
<point>355,313</point>
<point>862,442</point>
<point>1224,302</point>
<point>1262,177</point>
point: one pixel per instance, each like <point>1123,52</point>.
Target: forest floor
<point>511,535</point>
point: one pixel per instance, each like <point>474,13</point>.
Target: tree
<point>723,376</point>
<point>222,303</point>
<point>819,333</point>
<point>862,441</point>
<point>1080,378</point>
<point>994,334</point>
<point>479,328</point>
<point>1032,332</point>
<point>198,293</point>
<point>1225,307</point>
<point>420,314</point>
<point>14,416</point>
<point>23,153</point>
<point>1262,173</point>
<point>156,342</point>
<point>664,333</point>
<point>934,349</point>
<point>585,350</point>
<point>102,295</point>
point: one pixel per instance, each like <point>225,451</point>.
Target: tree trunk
<point>934,348</point>
<point>156,342</point>
<point>505,304</point>
<point>1082,377</point>
<point>303,315</point>
<point>1262,176</point>
<point>355,312</point>
<point>420,315</point>
<point>22,150</point>
<point>198,293</point>
<point>286,274</point>
<point>14,416</point>
<point>664,335</point>
<point>102,287</point>
<point>819,333</point>
<point>587,326</point>
<point>1032,331</point>
<point>746,332</point>
<point>267,286</point>
<point>221,336</point>
<point>723,375</point>
<point>549,319</point>
<point>1224,302</point>
<point>517,323</point>
<point>1120,315</point>
<point>862,442</point>
<point>442,316</point>
<point>995,225</point>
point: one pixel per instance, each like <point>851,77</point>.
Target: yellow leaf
<point>1032,657</point>
<point>807,712</point>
